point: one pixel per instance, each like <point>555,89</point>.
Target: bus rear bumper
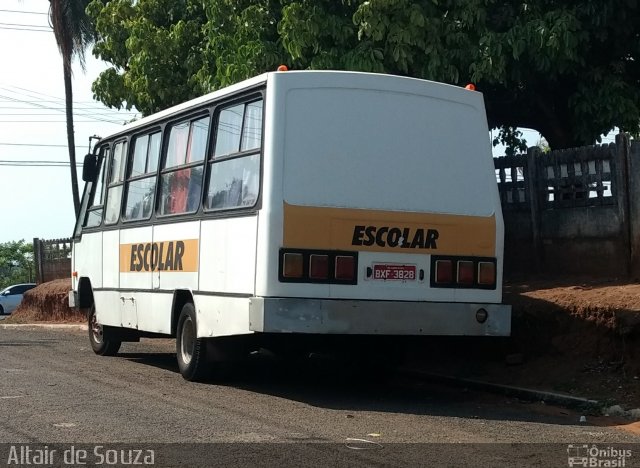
<point>295,315</point>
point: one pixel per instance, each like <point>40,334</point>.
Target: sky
<point>37,201</point>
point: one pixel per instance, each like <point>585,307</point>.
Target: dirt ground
<point>578,336</point>
<point>47,302</point>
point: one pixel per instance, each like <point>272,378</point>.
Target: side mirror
<point>90,168</point>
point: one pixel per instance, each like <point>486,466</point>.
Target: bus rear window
<point>234,179</point>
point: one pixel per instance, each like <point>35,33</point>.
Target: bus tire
<point>190,350</point>
<point>102,341</point>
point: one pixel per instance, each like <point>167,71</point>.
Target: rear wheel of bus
<point>102,339</point>
<point>191,350</point>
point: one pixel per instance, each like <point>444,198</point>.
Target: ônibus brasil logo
<point>593,456</point>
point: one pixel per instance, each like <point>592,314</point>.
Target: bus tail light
<point>345,268</point>
<point>463,272</point>
<point>292,265</point>
<point>486,273</point>
<point>444,271</point>
<point>318,266</point>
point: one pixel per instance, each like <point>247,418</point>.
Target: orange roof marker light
<point>470,87</point>
<point>283,68</point>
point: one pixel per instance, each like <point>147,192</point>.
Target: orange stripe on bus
<point>388,231</point>
<point>170,256</point>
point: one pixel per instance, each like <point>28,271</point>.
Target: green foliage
<point>543,145</point>
<point>512,139</point>
<point>155,48</point>
<point>567,69</point>
<point>16,263</point>
<point>241,40</point>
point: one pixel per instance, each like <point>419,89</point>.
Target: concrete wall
<point>573,211</point>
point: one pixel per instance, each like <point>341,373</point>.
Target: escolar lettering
<point>404,238</point>
<point>157,256</point>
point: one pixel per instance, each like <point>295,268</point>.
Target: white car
<point>11,297</point>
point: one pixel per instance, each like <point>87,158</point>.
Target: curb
<point>507,390</point>
<point>73,326</point>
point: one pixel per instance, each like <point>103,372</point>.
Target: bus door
<point>138,252</point>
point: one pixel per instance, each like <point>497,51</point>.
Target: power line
<point>90,113</point>
<point>62,121</point>
<point>58,100</point>
<point>39,145</point>
<point>30,161</point>
<point>101,110</point>
<point>28,30</point>
<point>46,114</point>
<point>36,94</point>
<point>26,25</point>
<point>61,101</point>
<point>30,93</point>
<point>27,114</point>
<point>45,107</point>
<point>32,144</point>
<point>37,165</point>
<point>57,113</point>
<point>24,12</point>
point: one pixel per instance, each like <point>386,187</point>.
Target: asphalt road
<point>54,390</point>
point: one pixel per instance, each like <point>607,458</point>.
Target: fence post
<point>622,195</point>
<point>37,259</point>
<point>633,199</point>
<point>533,176</point>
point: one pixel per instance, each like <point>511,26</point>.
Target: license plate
<point>394,272</point>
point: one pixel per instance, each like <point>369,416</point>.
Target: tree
<point>570,70</point>
<point>73,31</point>
<point>155,48</point>
<point>16,263</point>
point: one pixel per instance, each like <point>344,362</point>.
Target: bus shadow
<point>166,361</point>
<point>336,385</point>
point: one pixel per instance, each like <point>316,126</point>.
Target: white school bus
<point>290,206</point>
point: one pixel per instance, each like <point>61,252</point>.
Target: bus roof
<point>345,78</point>
<point>255,81</point>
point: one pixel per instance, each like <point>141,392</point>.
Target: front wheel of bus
<point>191,350</point>
<point>101,343</point>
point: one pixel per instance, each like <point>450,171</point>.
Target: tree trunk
<point>68,95</point>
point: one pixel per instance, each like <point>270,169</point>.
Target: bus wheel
<point>101,343</point>
<point>191,350</point>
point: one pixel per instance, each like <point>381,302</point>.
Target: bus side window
<point>181,176</point>
<point>234,179</point>
<point>116,177</point>
<point>94,214</point>
<point>141,183</point>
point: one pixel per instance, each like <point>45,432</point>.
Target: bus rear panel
<point>381,213</point>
